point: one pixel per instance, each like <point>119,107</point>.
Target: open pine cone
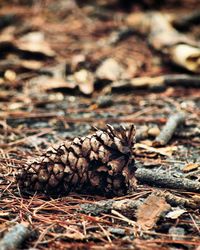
<point>100,163</point>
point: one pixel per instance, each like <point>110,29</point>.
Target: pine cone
<point>98,163</point>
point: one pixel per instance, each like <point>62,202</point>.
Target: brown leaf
<point>35,42</point>
<point>109,70</point>
<point>150,211</point>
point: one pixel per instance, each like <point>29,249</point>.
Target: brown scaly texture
<point>100,163</point>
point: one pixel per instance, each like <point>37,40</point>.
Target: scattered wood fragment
<point>158,82</point>
<point>186,21</point>
<point>190,167</point>
<point>165,151</point>
<point>106,206</point>
<point>175,200</point>
<point>146,131</point>
<point>175,213</point>
<point>127,205</point>
<point>150,211</point>
<point>162,178</point>
<point>179,48</point>
<point>182,80</point>
<point>109,70</point>
<point>168,130</point>
<point>14,238</point>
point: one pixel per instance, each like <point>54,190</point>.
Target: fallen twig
<point>106,206</point>
<point>163,179</point>
<point>158,82</point>
<point>127,205</point>
<point>168,130</point>
<point>176,200</point>
<point>14,238</point>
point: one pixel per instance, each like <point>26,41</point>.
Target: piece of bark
<point>179,48</point>
<point>106,206</point>
<point>14,238</point>
<point>162,178</point>
<point>191,167</point>
<point>168,130</point>
<point>150,211</point>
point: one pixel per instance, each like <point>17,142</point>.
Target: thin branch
<point>106,206</point>
<point>168,130</point>
<point>163,179</point>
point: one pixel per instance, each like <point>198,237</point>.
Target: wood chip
<point>190,167</point>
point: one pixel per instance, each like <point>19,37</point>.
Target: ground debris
<point>150,211</point>
<point>167,132</point>
<point>181,49</point>
<point>157,83</point>
<point>165,179</point>
<point>15,237</point>
<point>109,70</point>
<point>125,205</point>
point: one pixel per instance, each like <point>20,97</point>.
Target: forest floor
<point>52,89</point>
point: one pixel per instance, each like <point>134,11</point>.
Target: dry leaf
<point>150,211</point>
<point>35,42</point>
<point>166,151</point>
<point>177,212</point>
<point>110,70</point>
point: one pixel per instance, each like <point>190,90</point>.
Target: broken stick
<point>163,179</point>
<point>14,238</point>
<point>158,82</point>
<point>106,206</point>
<point>168,130</point>
<point>132,204</point>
